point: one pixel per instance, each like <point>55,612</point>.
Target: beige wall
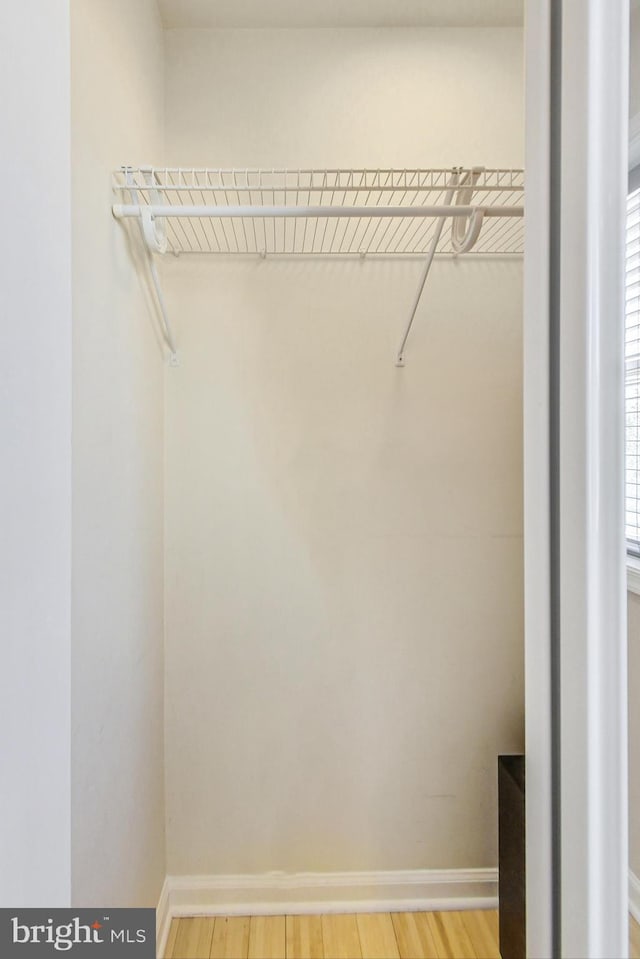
<point>344,539</point>
<point>117,610</point>
<point>355,97</point>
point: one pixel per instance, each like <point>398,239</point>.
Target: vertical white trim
<point>633,575</point>
<point>163,918</point>
<point>634,896</point>
<point>592,594</point>
<point>634,141</point>
<point>35,483</point>
<point>536,485</point>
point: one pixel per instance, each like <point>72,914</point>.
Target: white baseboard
<point>312,893</point>
<point>163,919</point>
<point>634,896</point>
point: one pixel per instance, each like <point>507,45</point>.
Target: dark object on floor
<point>511,857</point>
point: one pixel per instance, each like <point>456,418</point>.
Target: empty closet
<point>299,615</point>
<point>269,449</point>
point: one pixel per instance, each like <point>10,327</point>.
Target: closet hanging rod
<point>224,212</point>
<point>320,212</point>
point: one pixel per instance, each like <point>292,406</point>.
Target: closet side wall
<point>344,538</point>
<point>117,648</point>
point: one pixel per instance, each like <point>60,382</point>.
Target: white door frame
<point>538,733</point>
<point>577,88</point>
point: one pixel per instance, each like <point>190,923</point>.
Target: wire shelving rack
<point>323,213</point>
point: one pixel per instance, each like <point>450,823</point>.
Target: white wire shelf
<point>325,213</point>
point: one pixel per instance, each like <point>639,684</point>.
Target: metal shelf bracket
<point>464,233</point>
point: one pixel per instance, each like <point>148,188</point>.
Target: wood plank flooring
<point>634,939</point>
<point>398,935</point>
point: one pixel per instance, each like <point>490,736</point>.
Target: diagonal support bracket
<point>465,232</point>
<point>153,231</point>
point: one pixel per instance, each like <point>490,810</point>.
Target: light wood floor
<point>409,935</point>
<point>399,935</point>
<point>634,937</point>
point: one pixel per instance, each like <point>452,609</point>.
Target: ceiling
<point>341,13</point>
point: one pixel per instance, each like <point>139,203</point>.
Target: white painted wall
<point>35,481</point>
<point>117,695</point>
<point>344,539</point>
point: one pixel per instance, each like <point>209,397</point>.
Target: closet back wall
<point>344,648</point>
